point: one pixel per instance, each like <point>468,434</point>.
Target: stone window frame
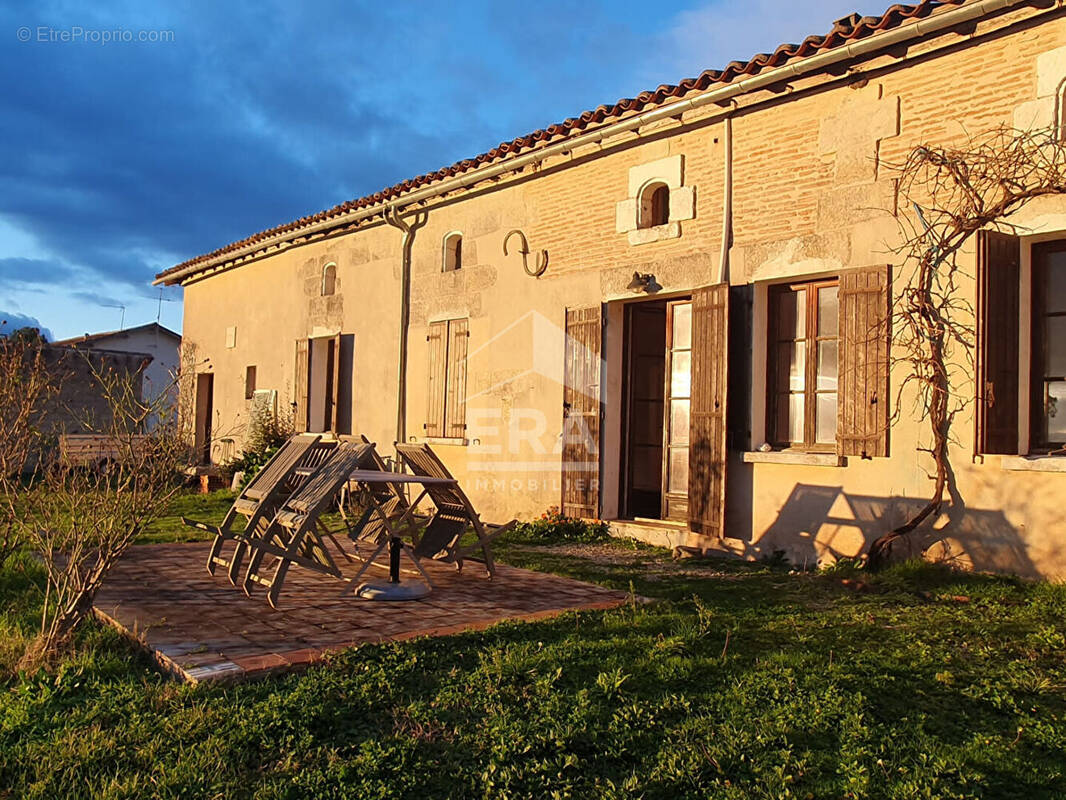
<point>451,261</point>
<point>647,176</point>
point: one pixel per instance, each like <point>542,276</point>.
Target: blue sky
<point>123,158</point>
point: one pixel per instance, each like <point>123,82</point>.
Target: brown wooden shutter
<point>334,382</point>
<point>707,432</point>
<point>863,366</point>
<point>300,387</point>
<point>581,412</point>
<point>438,381</point>
<point>998,297</point>
<point>455,400</point>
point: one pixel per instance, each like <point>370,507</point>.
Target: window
<point>249,382</point>
<point>654,205</point>
<point>329,279</point>
<point>446,406</point>
<point>453,252</point>
<point>1048,376</point>
<point>802,368</point>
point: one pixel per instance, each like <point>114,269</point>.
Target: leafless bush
<point>26,387</point>
<point>81,520</point>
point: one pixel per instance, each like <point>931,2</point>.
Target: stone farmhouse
<point>673,312</point>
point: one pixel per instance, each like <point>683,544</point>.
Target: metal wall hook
<point>542,256</point>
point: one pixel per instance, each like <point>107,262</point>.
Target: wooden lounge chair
<point>454,513</point>
<point>295,534</point>
<point>261,498</point>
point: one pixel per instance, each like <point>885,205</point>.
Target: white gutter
<point>931,24</point>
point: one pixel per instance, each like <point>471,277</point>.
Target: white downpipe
<point>862,47</point>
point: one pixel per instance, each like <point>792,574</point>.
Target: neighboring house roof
<point>845,31</point>
<point>92,339</point>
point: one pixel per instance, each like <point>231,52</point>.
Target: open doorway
<point>656,394</point>
<point>205,391</point>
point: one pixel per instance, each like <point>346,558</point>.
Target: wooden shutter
<point>300,387</point>
<point>998,290</point>
<point>334,382</point>
<point>455,397</point>
<point>863,365</point>
<point>438,381</point>
<point>581,412</point>
<point>707,432</point>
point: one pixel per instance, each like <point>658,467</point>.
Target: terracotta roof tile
<point>845,30</point>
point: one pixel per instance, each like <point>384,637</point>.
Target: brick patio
<point>201,628</point>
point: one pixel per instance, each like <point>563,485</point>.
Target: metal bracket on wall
<point>542,256</point>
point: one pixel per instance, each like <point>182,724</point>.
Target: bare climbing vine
<point>947,195</point>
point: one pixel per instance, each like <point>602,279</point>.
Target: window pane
<point>826,423</point>
<point>1056,347</point>
<point>795,364</point>
<point>678,481</point>
<point>683,326</point>
<point>1056,282</point>
<point>791,314</point>
<point>827,311</point>
<point>795,418</point>
<point>678,421</point>
<point>1056,411</point>
<point>681,374</point>
<point>827,365</point>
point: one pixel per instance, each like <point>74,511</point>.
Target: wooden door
<point>582,374</point>
<point>707,426</point>
<point>300,387</point>
<point>677,406</point>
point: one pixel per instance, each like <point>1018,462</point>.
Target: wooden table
<point>368,477</point>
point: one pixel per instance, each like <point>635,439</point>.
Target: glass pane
<point>795,418</point>
<point>678,421</point>
<point>683,326</point>
<point>678,479</point>
<point>793,365</point>
<point>792,314</point>
<point>827,365</point>
<point>1056,347</point>
<point>1056,282</point>
<point>1056,411</point>
<point>825,428</point>
<point>681,374</point>
<point>827,311</point>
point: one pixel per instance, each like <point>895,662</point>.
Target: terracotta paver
<point>201,628</point>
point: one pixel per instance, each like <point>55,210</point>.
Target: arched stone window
<point>654,205</point>
<point>329,279</point>
<point>453,252</point>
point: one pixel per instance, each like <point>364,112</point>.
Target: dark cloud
<point>10,322</point>
<point>132,157</point>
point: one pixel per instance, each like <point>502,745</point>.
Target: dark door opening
<point>205,386</point>
<point>657,361</point>
<point>645,371</point>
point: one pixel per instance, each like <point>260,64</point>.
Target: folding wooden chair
<point>295,534</point>
<point>454,513</point>
<point>386,518</point>
<point>261,498</point>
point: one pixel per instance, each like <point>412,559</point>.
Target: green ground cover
<point>742,680</point>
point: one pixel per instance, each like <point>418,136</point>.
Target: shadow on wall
<point>820,524</point>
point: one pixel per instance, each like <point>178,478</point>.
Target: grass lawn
<point>742,681</point>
